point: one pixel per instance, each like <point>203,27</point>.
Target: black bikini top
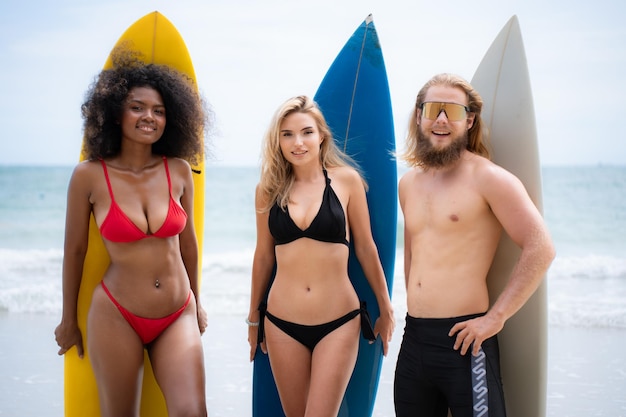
<point>329,224</point>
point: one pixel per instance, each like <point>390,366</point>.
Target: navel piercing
<point>156,283</point>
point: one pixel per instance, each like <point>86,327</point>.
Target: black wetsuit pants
<point>431,376</point>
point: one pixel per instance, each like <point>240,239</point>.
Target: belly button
<point>454,217</point>
<point>308,289</point>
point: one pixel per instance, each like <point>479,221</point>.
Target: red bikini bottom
<point>147,329</point>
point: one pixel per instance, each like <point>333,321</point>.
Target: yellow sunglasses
<point>454,112</point>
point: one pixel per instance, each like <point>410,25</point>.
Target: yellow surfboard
<point>159,42</point>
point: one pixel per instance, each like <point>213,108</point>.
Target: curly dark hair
<point>102,109</point>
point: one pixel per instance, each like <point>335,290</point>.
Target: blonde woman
<point>310,203</point>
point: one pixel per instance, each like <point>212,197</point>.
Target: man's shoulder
<point>412,173</point>
<point>491,178</point>
<point>409,176</point>
<point>482,166</point>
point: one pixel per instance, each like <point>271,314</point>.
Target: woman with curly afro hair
<point>143,127</point>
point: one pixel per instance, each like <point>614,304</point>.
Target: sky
<point>250,56</point>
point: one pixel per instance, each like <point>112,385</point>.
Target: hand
<point>202,319</point>
<point>474,332</point>
<point>384,326</point>
<point>68,336</point>
<point>253,336</point>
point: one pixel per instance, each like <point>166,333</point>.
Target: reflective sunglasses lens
<point>453,111</point>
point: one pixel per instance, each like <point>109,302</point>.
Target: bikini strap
<point>261,332</point>
<point>366,323</point>
<point>106,176</point>
<point>106,290</point>
<point>167,172</point>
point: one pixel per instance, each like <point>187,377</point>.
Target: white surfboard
<point>503,82</point>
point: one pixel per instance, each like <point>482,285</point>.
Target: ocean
<point>584,208</point>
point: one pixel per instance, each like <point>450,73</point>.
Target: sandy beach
<point>586,370</point>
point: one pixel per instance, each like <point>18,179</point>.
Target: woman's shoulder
<point>347,178</point>
<point>262,198</point>
<point>86,174</point>
<point>179,167</point>
<point>178,163</point>
<point>87,167</point>
<point>344,173</point>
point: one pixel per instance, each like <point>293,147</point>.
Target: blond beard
<point>431,157</point>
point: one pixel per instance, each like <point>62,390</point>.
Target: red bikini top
<point>117,227</point>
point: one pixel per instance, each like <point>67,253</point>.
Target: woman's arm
<point>189,241</point>
<point>367,254</point>
<point>75,247</point>
<point>262,267</point>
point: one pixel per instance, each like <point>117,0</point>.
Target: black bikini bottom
<point>310,335</point>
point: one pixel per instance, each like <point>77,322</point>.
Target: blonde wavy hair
<point>277,175</point>
<point>476,142</point>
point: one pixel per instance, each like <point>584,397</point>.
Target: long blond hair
<point>277,175</point>
<point>476,143</point>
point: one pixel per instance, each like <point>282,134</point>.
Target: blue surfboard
<point>354,97</point>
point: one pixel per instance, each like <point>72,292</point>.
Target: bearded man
<point>456,203</point>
